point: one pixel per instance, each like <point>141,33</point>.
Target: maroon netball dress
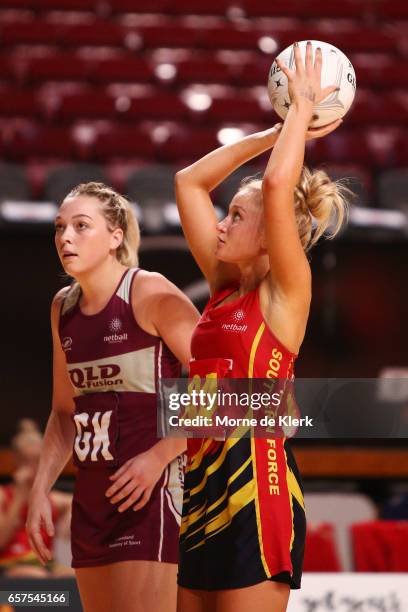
<point>114,367</point>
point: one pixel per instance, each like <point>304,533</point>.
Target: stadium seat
<point>341,510</point>
<point>168,36</point>
<point>234,108</point>
<point>162,105</point>
<point>321,554</point>
<point>91,103</point>
<point>199,7</point>
<point>366,109</point>
<point>393,189</point>
<point>35,32</point>
<point>57,67</point>
<point>255,72</point>
<point>36,141</point>
<point>341,147</point>
<point>119,141</point>
<point>298,8</point>
<point>13,183</point>
<point>68,5</point>
<point>138,6</point>
<point>7,72</point>
<point>380,546</point>
<point>203,71</point>
<point>18,102</point>
<point>123,68</point>
<point>96,33</point>
<point>391,9</point>
<point>229,37</point>
<point>62,179</point>
<point>186,144</point>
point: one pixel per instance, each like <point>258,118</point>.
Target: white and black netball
<point>336,70</point>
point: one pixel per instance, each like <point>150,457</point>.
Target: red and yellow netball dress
<point>114,366</point>
<point>243,511</point>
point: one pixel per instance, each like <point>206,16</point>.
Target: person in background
<point>17,558</point>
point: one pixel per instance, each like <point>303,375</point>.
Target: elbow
<point>182,177</point>
<point>274,181</point>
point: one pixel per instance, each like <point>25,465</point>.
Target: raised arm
<point>193,186</point>
<point>57,445</point>
<point>290,271</point>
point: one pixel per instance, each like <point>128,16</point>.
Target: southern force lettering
<point>273,477</point>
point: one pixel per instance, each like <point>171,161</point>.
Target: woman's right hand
<point>304,82</point>
<point>39,514</point>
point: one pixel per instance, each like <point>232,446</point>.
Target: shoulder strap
<point>124,289</point>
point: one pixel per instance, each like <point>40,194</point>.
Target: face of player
<point>240,233</point>
<point>82,237</point>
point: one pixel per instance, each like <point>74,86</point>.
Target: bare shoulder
<point>153,284</point>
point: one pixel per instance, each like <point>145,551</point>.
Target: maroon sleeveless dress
<point>114,367</point>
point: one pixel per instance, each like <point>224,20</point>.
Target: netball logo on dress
<point>238,316</point>
<point>115,326</point>
<point>66,343</point>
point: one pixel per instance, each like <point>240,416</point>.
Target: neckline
<point>96,314</point>
<point>214,306</point>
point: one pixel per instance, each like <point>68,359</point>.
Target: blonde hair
<point>28,431</point>
<point>118,213</point>
<point>321,204</point>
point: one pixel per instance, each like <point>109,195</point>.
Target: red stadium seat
<point>7,70</point>
<point>52,5</point>
<point>380,546</point>
<point>95,33</point>
<point>203,71</point>
<point>255,72</point>
<point>321,553</point>
<point>186,144</point>
<point>19,103</point>
<point>366,108</point>
<point>340,147</point>
<point>236,109</point>
<point>380,71</point>
<point>35,32</point>
<point>157,106</point>
<point>313,8</point>
<point>57,67</point>
<point>123,141</point>
<point>138,6</point>
<point>200,7</point>
<point>36,141</point>
<point>125,68</point>
<point>391,9</point>
<point>169,36</point>
<point>88,104</point>
<point>358,40</point>
<point>229,37</point>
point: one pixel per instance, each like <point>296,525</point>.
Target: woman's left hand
<point>135,481</point>
<point>324,130</point>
